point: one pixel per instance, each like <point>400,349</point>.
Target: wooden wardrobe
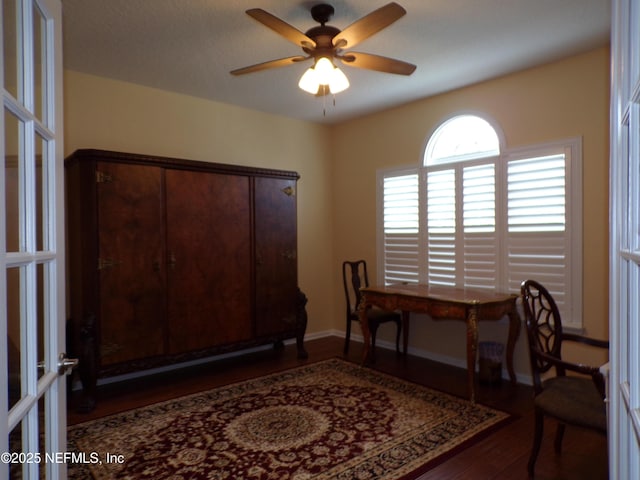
<point>173,260</point>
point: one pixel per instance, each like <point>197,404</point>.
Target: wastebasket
<point>490,362</point>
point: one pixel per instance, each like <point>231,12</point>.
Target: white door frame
<point>624,192</point>
<point>34,102</point>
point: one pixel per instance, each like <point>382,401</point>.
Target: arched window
<point>476,215</point>
<point>461,217</point>
<point>462,138</point>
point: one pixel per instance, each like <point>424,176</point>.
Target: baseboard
<point>524,379</point>
<point>417,352</point>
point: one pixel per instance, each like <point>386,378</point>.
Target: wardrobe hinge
<point>102,177</point>
<point>103,264</point>
<point>289,191</point>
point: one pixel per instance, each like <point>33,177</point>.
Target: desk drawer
<point>447,311</point>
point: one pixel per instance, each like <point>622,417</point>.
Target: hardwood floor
<point>502,455</point>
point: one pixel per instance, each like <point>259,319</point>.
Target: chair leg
<point>374,331</point>
<point>557,444</point>
<point>398,330</point>
<point>347,337</point>
<point>537,441</point>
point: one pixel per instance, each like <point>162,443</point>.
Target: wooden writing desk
<point>445,303</point>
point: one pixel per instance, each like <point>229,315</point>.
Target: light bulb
<point>339,81</point>
<point>324,69</point>
<point>309,81</point>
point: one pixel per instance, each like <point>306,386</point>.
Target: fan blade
<point>368,25</point>
<point>281,27</point>
<point>281,62</point>
<point>378,63</point>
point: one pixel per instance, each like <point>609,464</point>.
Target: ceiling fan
<point>325,44</point>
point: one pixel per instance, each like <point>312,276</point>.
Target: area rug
<point>326,420</point>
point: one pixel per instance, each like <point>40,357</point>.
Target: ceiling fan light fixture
<point>324,72</point>
<point>324,68</point>
<point>339,81</point>
<point>309,81</point>
<point>325,43</point>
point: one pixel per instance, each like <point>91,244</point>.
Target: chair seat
<point>378,315</point>
<point>574,400</point>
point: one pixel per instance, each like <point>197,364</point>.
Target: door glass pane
<point>41,173</point>
<point>42,434</point>
<point>41,315</point>
<point>39,58</point>
<point>13,174</point>
<point>32,460</point>
<point>625,169</point>
<point>634,180</point>
<point>9,13</point>
<point>13,335</point>
<point>15,446</point>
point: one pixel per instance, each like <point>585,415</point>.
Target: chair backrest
<point>354,277</point>
<point>544,329</point>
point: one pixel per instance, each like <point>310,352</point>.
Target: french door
<point>32,300</point>
<point>624,391</point>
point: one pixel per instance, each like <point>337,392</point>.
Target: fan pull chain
<point>324,101</point>
<point>324,104</point>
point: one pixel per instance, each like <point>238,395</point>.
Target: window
<point>401,227</point>
<point>461,138</point>
<point>475,216</point>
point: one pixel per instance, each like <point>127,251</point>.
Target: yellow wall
<point>111,115</point>
<point>556,101</point>
<point>337,191</point>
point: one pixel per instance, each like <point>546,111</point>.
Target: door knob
<point>66,364</point>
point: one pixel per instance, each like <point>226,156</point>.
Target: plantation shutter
<point>537,240</point>
<point>461,226</point>
<point>441,227</point>
<point>400,228</point>
<point>481,249</point>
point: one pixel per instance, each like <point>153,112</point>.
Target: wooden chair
<point>570,399</point>
<point>354,277</point>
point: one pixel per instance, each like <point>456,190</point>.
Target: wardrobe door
<point>131,273</point>
<point>276,255</point>
<point>209,259</point>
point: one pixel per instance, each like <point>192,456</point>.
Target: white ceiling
<point>189,46</point>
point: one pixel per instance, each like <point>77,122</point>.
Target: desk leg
<point>514,332</point>
<point>472,351</point>
<point>405,330</point>
<point>364,326</point>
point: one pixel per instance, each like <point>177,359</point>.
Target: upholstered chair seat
<point>575,400</point>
